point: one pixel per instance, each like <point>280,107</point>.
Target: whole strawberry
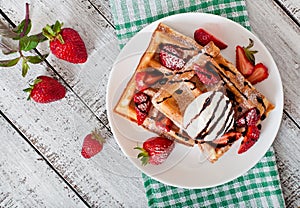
<point>92,144</point>
<point>155,150</point>
<point>45,90</point>
<point>66,43</point>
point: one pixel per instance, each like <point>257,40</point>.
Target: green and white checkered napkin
<point>260,186</point>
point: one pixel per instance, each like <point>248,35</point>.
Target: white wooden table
<point>40,160</point>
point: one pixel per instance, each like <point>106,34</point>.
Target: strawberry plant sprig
<point>25,43</point>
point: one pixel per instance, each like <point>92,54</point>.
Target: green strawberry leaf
<point>25,67</point>
<point>20,28</point>
<point>57,27</point>
<point>31,86</point>
<point>5,31</point>
<point>251,44</point>
<point>48,32</point>
<point>9,63</point>
<point>143,155</point>
<point>36,59</point>
<point>28,43</point>
<point>53,31</point>
<point>250,53</point>
<point>29,89</point>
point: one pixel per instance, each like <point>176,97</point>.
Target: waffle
<point>149,61</point>
<point>175,90</point>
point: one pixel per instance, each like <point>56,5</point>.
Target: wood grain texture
<point>58,134</point>
<point>87,80</point>
<point>288,163</point>
<point>96,180</point>
<point>26,180</point>
<point>281,42</point>
<point>109,179</point>
<point>104,9</point>
<point>292,7</point>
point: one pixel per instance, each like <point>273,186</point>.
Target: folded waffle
<point>172,91</point>
<point>150,64</point>
<point>241,93</point>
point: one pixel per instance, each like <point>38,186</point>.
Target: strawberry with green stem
<point>155,150</point>
<point>45,90</point>
<point>25,43</point>
<point>92,144</point>
<point>245,59</point>
<point>245,63</point>
<point>66,43</point>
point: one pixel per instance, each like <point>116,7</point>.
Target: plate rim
<point>109,105</point>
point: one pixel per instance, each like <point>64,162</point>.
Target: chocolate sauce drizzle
<point>179,91</point>
<point>224,76</point>
<point>231,122</point>
<point>259,99</point>
<point>176,46</point>
<point>206,103</point>
<point>204,131</point>
<point>179,135</point>
<point>164,99</point>
<point>163,81</point>
<point>227,69</point>
<point>221,116</point>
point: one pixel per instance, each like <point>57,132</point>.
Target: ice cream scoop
<point>209,116</point>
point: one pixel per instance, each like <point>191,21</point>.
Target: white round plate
<point>186,166</point>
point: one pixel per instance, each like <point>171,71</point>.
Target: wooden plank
<point>58,134</point>
<point>104,9</point>
<point>96,74</point>
<point>96,180</point>
<point>286,147</point>
<point>88,81</point>
<point>292,7</point>
<point>279,34</point>
<point>21,183</point>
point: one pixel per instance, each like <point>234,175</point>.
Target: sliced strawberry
<point>259,74</point>
<point>142,106</point>
<point>171,57</point>
<point>249,52</point>
<point>163,122</point>
<point>173,49</point>
<point>253,132</point>
<point>146,79</point>
<point>203,37</point>
<point>242,62</point>
<point>206,75</point>
<point>251,117</point>
<point>140,116</point>
<point>139,80</point>
<point>227,138</point>
<point>250,139</point>
<point>140,98</point>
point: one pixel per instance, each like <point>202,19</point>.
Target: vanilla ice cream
<point>209,116</point>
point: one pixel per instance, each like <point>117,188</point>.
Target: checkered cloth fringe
<point>260,186</point>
